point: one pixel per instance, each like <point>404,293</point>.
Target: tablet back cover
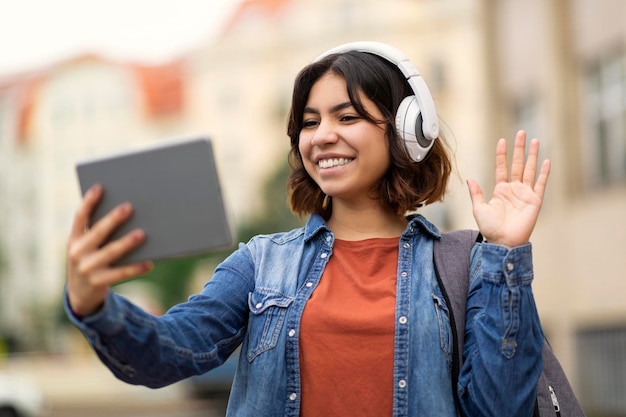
<point>176,196</point>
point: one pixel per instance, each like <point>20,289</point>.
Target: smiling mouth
<point>334,162</point>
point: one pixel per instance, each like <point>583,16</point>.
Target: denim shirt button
<point>510,266</point>
<point>404,274</point>
<point>323,255</point>
<point>292,333</point>
<point>403,320</point>
<point>293,396</point>
<point>259,305</point>
<point>309,284</point>
<point>406,245</point>
<point>402,383</point>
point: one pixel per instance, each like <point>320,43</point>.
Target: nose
<point>326,133</point>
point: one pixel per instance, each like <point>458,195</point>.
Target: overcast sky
<point>37,32</point>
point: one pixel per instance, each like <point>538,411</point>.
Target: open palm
<point>510,216</point>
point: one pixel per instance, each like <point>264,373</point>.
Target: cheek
<point>305,148</point>
<point>304,145</point>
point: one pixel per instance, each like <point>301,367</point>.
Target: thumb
<point>476,193</point>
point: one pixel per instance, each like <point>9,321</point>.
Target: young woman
<point>342,317</point>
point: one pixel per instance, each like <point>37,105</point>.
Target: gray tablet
<point>175,192</point>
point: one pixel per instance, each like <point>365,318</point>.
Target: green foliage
<point>276,216</point>
<point>170,279</point>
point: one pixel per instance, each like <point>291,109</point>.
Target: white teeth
<point>335,162</point>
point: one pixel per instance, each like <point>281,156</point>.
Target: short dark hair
<point>407,184</point>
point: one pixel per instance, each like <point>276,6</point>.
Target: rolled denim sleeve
<point>503,336</point>
<point>103,326</point>
<point>191,338</point>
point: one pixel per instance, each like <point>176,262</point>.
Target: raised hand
<point>89,274</point>
<point>510,216</point>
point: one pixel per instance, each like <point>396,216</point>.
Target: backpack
<point>555,396</point>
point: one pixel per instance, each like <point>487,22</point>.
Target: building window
<point>606,99</point>
<point>601,357</point>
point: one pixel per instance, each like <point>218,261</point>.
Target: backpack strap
<point>555,396</point>
<point>451,256</point>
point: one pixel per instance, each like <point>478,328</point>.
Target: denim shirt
<point>256,299</point>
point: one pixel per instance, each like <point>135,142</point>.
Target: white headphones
<point>418,137</point>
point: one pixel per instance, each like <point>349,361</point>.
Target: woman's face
<point>344,153</point>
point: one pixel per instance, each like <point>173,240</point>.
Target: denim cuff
<point>512,266</point>
<point>106,321</point>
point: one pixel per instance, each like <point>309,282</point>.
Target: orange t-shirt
<point>347,332</point>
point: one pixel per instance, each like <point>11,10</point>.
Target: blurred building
<point>556,68</point>
<point>50,119</point>
<point>559,68</point>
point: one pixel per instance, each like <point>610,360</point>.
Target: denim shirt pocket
<point>268,310</point>
<point>443,320</point>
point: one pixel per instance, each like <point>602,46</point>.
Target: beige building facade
<point>51,118</point>
<point>565,76</point>
<point>555,68</point>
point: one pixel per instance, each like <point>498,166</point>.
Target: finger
<point>476,193</point>
<point>111,252</point>
<point>103,228</point>
<point>530,170</point>
<point>96,236</point>
<point>81,218</point>
<point>111,276</point>
<point>517,163</point>
<point>502,173</point>
<point>542,180</point>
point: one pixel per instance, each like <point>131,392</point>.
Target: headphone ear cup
<point>409,127</point>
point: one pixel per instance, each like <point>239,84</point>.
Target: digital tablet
<point>175,192</point>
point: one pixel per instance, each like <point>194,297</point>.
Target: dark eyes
<point>347,118</point>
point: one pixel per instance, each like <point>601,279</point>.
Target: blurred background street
<point>79,386</point>
<point>84,79</point>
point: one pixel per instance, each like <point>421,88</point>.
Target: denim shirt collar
<point>416,224</point>
<point>419,224</point>
<point>316,224</point>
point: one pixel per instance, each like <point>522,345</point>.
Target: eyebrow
<point>333,109</point>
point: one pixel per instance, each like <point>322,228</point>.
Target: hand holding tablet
<point>175,194</point>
